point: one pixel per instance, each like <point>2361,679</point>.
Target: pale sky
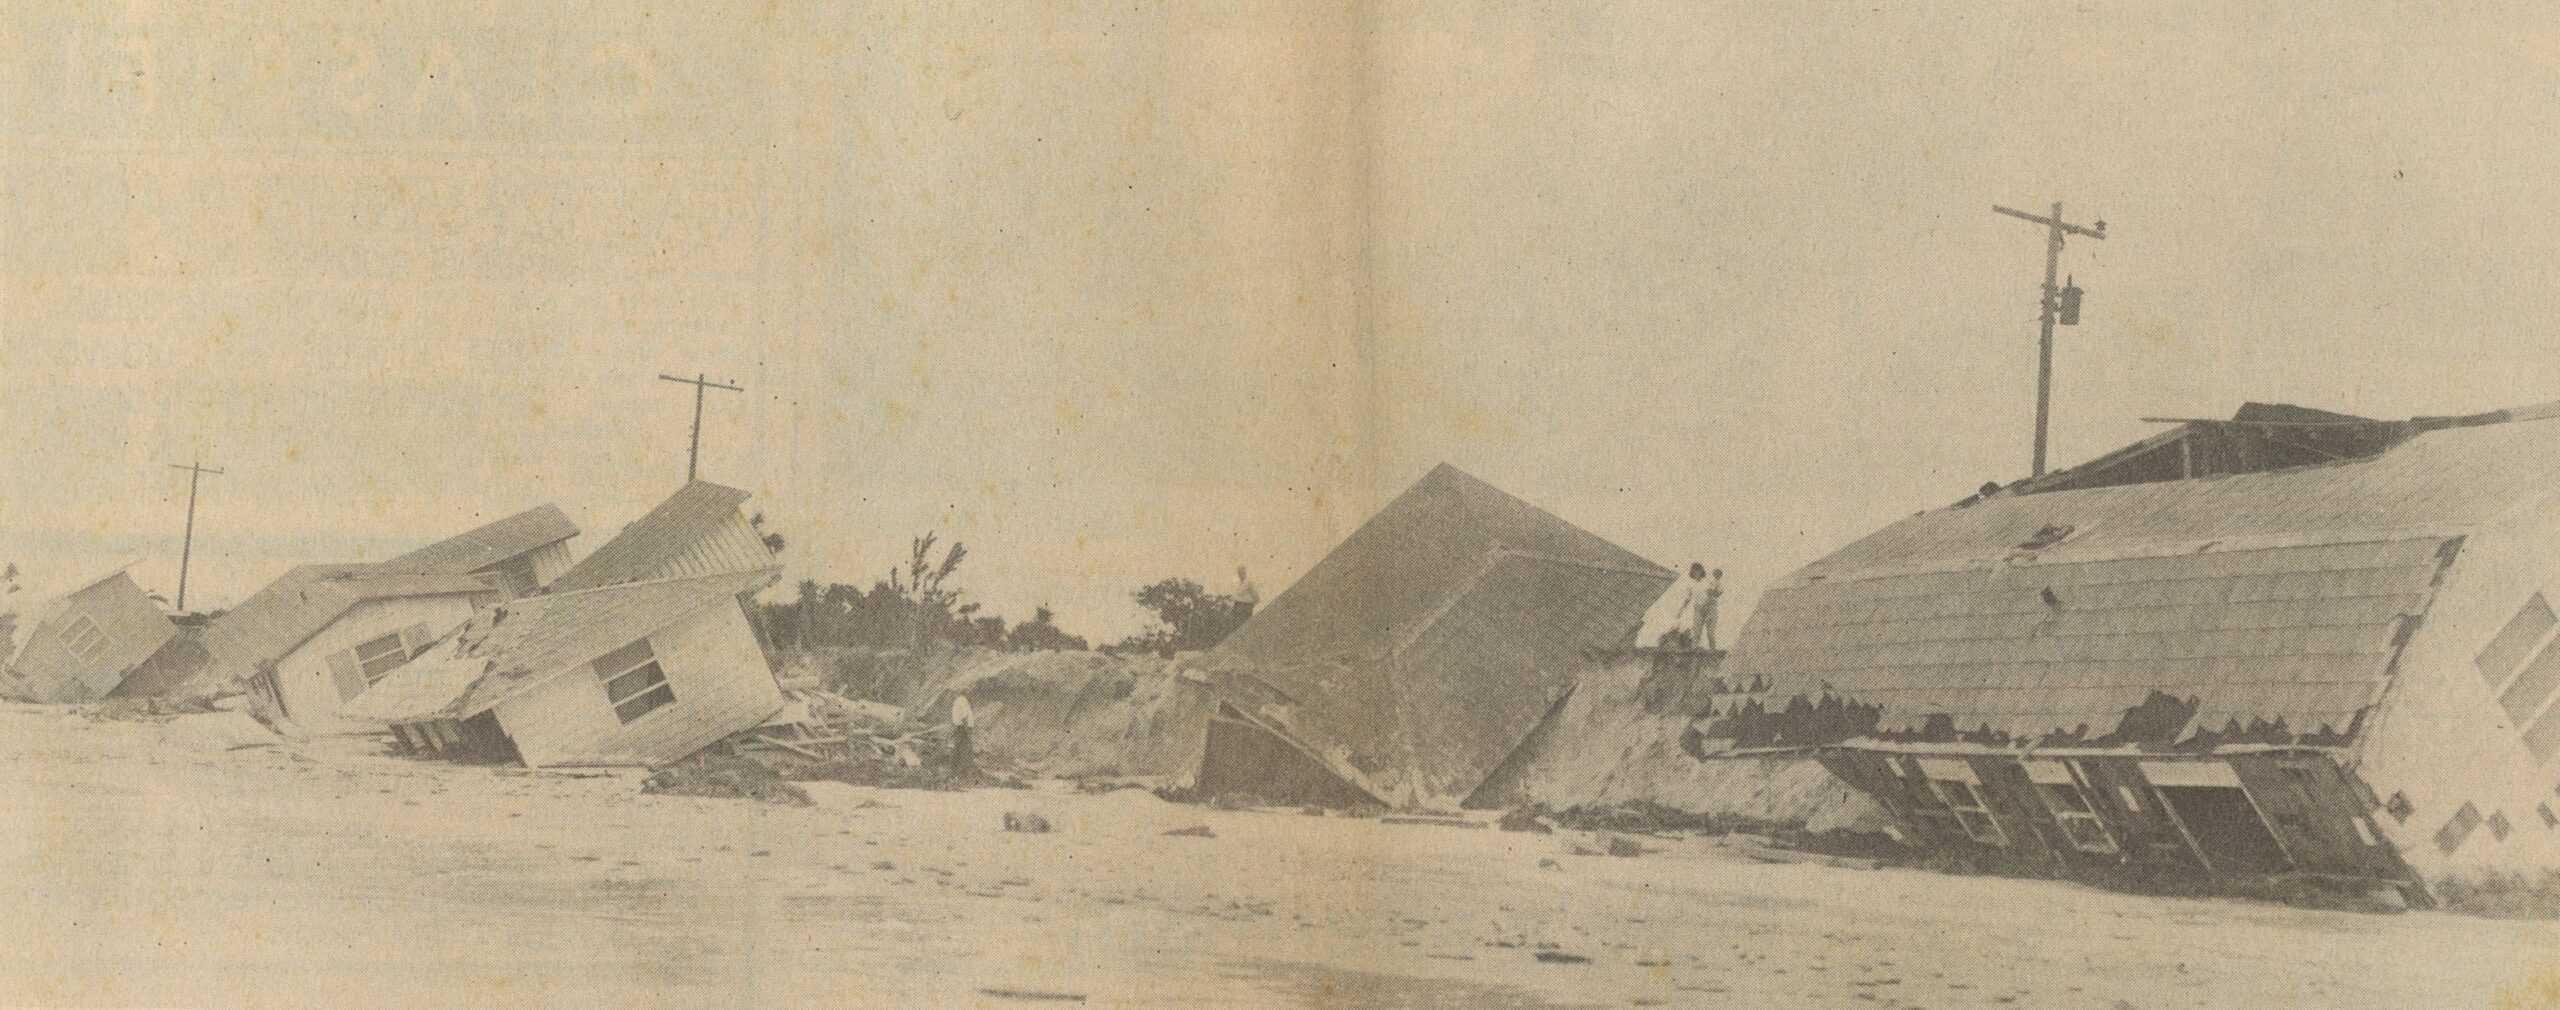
<point>1115,292</point>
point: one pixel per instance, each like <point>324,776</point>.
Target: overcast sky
<point>1114,292</point>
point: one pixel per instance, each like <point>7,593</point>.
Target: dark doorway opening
<point>1245,759</point>
<point>2227,827</point>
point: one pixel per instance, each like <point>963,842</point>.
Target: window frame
<point>638,659</point>
<point>79,628</point>
<point>1976,807</point>
<point>2083,827</point>
<point>399,656</point>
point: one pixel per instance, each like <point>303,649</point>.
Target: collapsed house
<point>642,673</point>
<point>2344,668</point>
<point>699,530</point>
<point>1418,655</point>
<point>320,635</point>
<point>79,642</point>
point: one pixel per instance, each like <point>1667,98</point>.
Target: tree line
<point>920,603</point>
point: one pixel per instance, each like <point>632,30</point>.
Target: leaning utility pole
<point>700,382</point>
<point>186,552</point>
<point>2054,305</point>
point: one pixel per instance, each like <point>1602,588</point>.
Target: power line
<point>186,552</point>
<point>700,383</point>
<point>2054,306</point>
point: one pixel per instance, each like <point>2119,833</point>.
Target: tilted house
<point>78,642</point>
<point>519,554</point>
<point>320,635</point>
<point>696,531</point>
<point>639,673</point>
<point>1411,661</point>
<point>2345,668</point>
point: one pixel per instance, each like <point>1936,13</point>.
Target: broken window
<point>2549,819</point>
<point>1970,811</point>
<point>2499,827</point>
<point>633,683</point>
<point>84,639</point>
<point>2071,807</point>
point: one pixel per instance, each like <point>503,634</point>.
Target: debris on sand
<point>153,709</point>
<point>1560,957</point>
<point>1526,819</point>
<point>1445,822</point>
<point>725,776</point>
<point>1612,845</point>
<point>1194,831</point>
<point>1647,817</point>
<point>1029,824</point>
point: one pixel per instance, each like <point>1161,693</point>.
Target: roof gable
<point>644,549</point>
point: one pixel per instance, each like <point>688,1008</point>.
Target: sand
<point>144,867</point>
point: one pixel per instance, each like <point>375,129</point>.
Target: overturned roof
<point>648,546</point>
<point>2253,607</point>
<point>1414,657</point>
<point>513,536</point>
<point>514,646</point>
<point>305,600</point>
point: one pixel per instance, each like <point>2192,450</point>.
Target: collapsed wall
<point>1623,735</point>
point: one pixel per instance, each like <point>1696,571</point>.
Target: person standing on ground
<point>964,751</point>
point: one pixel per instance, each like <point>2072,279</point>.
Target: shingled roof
<point>1417,654</point>
<point>2256,607</point>
<point>529,530</point>
<point>644,549</point>
<point>514,646</point>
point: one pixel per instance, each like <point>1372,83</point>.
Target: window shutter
<point>417,638</point>
<point>344,672</point>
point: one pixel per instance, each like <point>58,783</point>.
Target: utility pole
<point>700,382</point>
<point>2055,229</point>
<point>186,553</point>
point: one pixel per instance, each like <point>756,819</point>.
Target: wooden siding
<point>131,625</point>
<point>710,659</point>
<point>732,546</point>
<point>302,676</point>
